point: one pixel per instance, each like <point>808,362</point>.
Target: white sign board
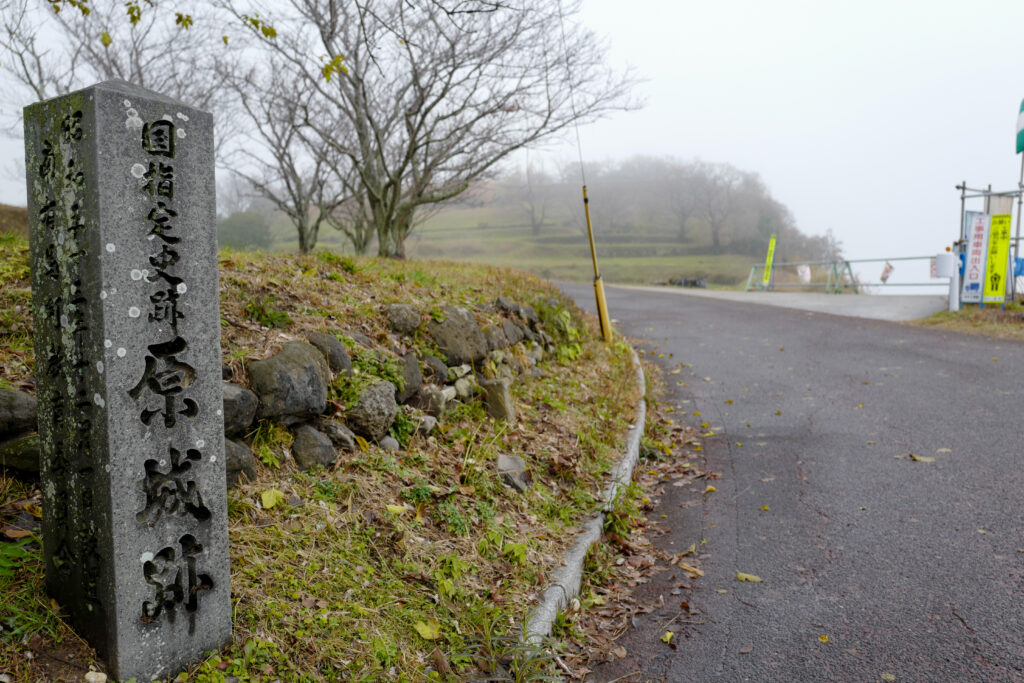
<point>976,230</point>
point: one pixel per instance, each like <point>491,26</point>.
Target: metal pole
<point>962,231</point>
<point>1016,242</point>
<point>602,306</point>
<point>961,246</point>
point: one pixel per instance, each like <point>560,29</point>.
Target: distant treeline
<point>704,207</point>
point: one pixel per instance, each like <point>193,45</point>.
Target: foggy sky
<point>859,116</point>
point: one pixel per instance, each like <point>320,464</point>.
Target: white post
<point>954,291</point>
<point>947,265</point>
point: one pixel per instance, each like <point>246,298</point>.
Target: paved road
<point>912,569</point>
<point>876,307</point>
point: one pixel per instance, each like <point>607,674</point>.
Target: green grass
<point>337,581</point>
<point>491,235</point>
<point>485,235</point>
<point>991,321</point>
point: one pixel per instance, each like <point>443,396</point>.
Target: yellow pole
<point>602,306</point>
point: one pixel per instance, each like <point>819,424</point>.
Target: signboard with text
<point>998,258</point>
<point>976,226</point>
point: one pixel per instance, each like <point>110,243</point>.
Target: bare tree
<point>717,189</point>
<point>351,219</point>
<point>51,53</point>
<point>531,195</point>
<point>681,196</point>
<point>278,160</point>
<point>420,100</point>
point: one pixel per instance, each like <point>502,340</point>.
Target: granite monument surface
<point>128,371</point>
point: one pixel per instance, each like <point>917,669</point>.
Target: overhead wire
<point>602,306</point>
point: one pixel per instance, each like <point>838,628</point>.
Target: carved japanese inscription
<point>124,277</point>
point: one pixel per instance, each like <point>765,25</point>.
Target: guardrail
<point>838,276</point>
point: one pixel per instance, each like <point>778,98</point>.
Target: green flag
<point>1020,129</point>
<point>768,261</point>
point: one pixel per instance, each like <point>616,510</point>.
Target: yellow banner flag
<point>998,257</point>
<point>768,261</point>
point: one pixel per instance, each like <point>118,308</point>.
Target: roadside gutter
<point>565,583</point>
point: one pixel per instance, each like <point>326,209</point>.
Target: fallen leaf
<point>429,630</point>
<point>721,591</point>
<point>677,371</point>
<point>944,450</point>
<point>746,649</point>
<point>619,652</point>
<point>690,569</point>
<point>766,508</point>
<point>271,497</point>
<point>14,533</point>
<point>310,601</point>
<point>395,509</point>
<point>710,489</point>
<point>888,678</point>
<point>34,509</point>
<point>740,576</point>
<point>363,444</point>
<point>823,638</point>
<point>921,458</point>
<point>441,663</point>
<point>728,402</point>
<point>667,637</point>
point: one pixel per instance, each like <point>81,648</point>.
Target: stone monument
<point>128,374</point>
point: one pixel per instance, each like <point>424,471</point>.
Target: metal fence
<point>833,277</point>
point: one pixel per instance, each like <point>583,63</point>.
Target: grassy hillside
<point>496,236</point>
<point>412,565</point>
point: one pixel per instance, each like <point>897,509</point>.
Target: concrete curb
<point>565,584</point>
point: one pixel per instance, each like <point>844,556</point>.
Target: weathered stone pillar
<point>128,375</point>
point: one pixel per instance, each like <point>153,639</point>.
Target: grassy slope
<point>992,321</point>
<point>497,237</point>
<point>330,584</point>
<point>491,236</point>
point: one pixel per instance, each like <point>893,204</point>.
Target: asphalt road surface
<point>913,570</point>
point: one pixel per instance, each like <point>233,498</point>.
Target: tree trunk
<point>399,231</point>
<point>307,233</point>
